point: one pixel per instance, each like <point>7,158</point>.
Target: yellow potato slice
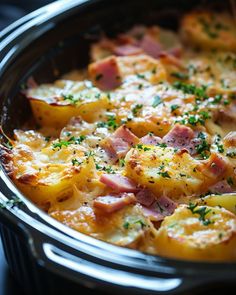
<point>227,201</point>
<point>164,171</point>
<point>209,30</point>
<point>124,227</point>
<point>209,235</point>
<point>47,175</point>
<point>53,105</point>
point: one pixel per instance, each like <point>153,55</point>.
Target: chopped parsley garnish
<point>75,162</point>
<point>72,140</point>
<point>217,99</point>
<point>60,144</point>
<point>110,123</point>
<point>121,162</point>
<point>201,211</point>
<point>156,101</point>
<point>107,169</point>
<point>205,115</point>
<point>174,107</point>
<point>101,124</point>
<point>179,75</point>
<point>70,97</point>
<point>203,147</point>
<point>194,120</point>
<point>162,145</point>
<point>191,89</point>
<point>89,154</point>
<point>130,223</point>
<point>226,102</point>
<point>141,147</point>
<point>141,76</point>
<point>164,174</point>
<point>137,109</point>
<point>219,146</point>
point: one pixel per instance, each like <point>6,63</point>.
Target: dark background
<point>11,10</point>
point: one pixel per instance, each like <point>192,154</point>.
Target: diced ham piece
<point>180,137</point>
<point>160,208</point>
<point>127,49</point>
<point>221,187</point>
<point>105,73</point>
<point>116,147</point>
<point>214,167</point>
<point>151,139</point>
<point>145,197</point>
<point>120,142</point>
<point>124,133</point>
<point>112,203</point>
<point>150,46</point>
<point>119,183</point>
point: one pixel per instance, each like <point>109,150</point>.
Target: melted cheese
<point>59,165</point>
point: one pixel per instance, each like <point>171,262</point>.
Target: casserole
<point>35,48</point>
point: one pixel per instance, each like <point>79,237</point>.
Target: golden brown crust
<point>6,158</point>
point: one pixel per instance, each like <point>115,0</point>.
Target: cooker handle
<point>87,270</point>
<point>102,276</point>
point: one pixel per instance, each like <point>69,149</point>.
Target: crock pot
<point>45,256</point>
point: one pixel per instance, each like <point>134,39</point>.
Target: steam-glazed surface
<point>139,149</point>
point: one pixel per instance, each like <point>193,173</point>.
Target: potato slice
<point>164,171</point>
<point>47,176</point>
<point>227,201</point>
<point>209,30</point>
<point>53,105</point>
<point>209,235</point>
<point>124,227</point>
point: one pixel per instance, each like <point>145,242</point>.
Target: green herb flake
<point>141,147</point>
<point>137,109</point>
<point>71,140</point>
<point>128,224</point>
<point>75,162</point>
<point>174,107</point>
<point>121,162</point>
<point>179,75</point>
<point>141,76</point>
<point>201,211</point>
<point>156,101</point>
<point>164,174</point>
<point>70,97</point>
